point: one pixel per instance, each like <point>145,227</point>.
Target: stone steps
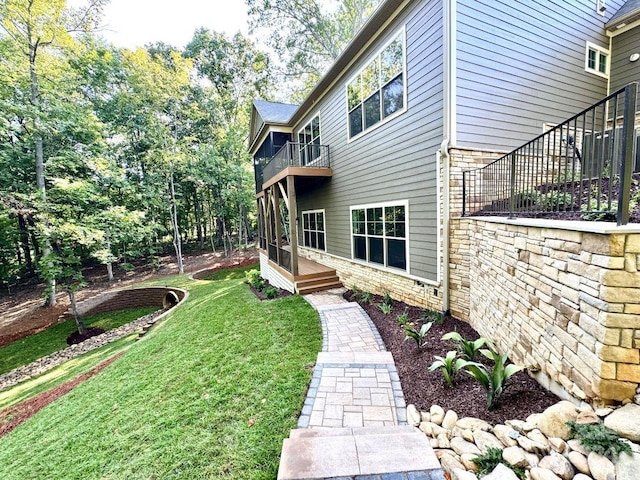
<point>399,452</point>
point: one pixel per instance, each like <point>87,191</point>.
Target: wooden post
<point>278,221</point>
<point>293,223</point>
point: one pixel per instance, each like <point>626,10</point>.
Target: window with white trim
<point>313,233</point>
<point>601,7</point>
<point>309,141</point>
<point>378,91</point>
<point>379,234</point>
<point>597,60</point>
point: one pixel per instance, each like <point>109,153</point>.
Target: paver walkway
<point>355,409</point>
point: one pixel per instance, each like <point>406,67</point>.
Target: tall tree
<point>307,34</point>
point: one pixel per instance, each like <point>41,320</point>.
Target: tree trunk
<point>82,329</point>
<point>197,210</point>
<point>24,242</point>
<point>109,263</point>
<point>177,241</point>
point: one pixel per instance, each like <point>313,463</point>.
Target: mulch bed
<point>260,293</point>
<point>422,388</point>
<point>13,416</point>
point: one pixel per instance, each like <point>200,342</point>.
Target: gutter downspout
<point>449,135</point>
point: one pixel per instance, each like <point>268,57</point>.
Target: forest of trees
<point>108,155</point>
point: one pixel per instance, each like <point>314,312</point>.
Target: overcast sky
<point>134,23</point>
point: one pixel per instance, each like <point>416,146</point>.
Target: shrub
<point>254,279</point>
<point>490,460</point>
<point>418,335</point>
<point>554,200</point>
<point>385,308</point>
<point>271,292</point>
<point>386,299</point>
<point>403,318</point>
<point>494,381</point>
<point>467,348</point>
<point>449,366</point>
<point>366,297</point>
<point>598,438</point>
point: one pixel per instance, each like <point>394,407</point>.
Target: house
<point>363,180</point>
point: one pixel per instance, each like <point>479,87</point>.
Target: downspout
<point>449,135</point>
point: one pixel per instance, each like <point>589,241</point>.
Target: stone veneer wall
<point>562,297</point>
<point>122,299</point>
<point>378,281</point>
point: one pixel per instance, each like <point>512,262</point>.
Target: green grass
<point>178,404</point>
<point>54,338</point>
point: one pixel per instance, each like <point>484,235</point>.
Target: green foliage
<point>604,215</point>
<point>271,292</point>
<point>432,316</point>
<point>255,279</point>
<point>598,438</point>
<point>494,381</point>
<point>366,297</point>
<point>385,308</point>
<point>420,336</point>
<point>490,460</point>
<point>386,298</point>
<point>554,200</point>
<point>467,348</point>
<point>448,365</point>
<point>403,318</point>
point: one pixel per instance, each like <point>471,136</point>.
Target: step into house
<point>399,452</point>
<point>316,282</point>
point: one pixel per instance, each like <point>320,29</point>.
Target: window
<point>379,234</point>
<point>309,141</point>
<point>377,92</point>
<point>313,235</point>
<point>601,7</point>
<point>597,60</point>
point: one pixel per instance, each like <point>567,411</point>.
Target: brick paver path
<point>355,382</point>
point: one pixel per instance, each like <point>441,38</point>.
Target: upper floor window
<point>601,6</point>
<point>378,91</point>
<point>379,234</point>
<point>309,141</point>
<point>597,60</point>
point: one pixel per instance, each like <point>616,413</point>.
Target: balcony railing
<point>294,155</point>
<point>580,169</point>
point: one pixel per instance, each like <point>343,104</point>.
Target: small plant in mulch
<point>385,308</point>
<point>271,292</point>
<point>467,348</point>
<point>403,318</point>
<point>595,437</point>
<point>255,279</point>
<point>420,336</point>
<point>77,337</point>
<point>449,366</point>
<point>489,461</point>
<point>261,288</point>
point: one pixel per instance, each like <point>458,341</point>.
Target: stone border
<point>44,364</point>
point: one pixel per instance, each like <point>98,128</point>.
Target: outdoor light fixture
<point>634,57</point>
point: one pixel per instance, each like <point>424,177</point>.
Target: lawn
<point>209,393</point>
<point>54,338</point>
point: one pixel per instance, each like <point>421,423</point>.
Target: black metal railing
<point>579,169</point>
<point>295,155</point>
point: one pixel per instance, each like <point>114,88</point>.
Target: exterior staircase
<point>394,452</point>
<point>316,282</point>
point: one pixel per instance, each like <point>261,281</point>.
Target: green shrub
<point>449,366</point>
<point>403,318</point>
<point>385,308</point>
<point>254,279</point>
<point>271,292</point>
<point>555,200</point>
<point>418,335</point>
<point>598,438</point>
<point>490,460</point>
<point>467,348</point>
<point>386,299</point>
<point>494,381</point>
<point>366,297</point>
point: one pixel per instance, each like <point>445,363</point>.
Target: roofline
<point>632,16</point>
<point>385,12</point>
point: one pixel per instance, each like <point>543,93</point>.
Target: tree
<point>308,34</point>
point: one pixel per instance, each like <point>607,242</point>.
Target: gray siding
<point>397,160</point>
<point>521,64</point>
<point>622,70</point>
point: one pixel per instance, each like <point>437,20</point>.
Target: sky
<point>134,23</point>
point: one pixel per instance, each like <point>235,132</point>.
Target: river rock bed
<point>540,444</point>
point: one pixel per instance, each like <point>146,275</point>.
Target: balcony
<point>295,159</point>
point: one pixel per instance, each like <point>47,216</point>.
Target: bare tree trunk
<point>82,329</point>
<point>109,263</point>
<point>177,241</point>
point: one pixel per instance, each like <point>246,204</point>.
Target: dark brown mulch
<point>467,398</point>
<point>13,416</point>
<point>77,337</point>
<point>260,293</point>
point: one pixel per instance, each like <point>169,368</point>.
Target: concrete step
<point>346,431</point>
<point>365,452</point>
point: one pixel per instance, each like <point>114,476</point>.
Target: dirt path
<point>22,313</point>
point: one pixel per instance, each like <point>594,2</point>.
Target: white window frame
<point>399,203</point>
<point>324,231</point>
<point>601,7</point>
<point>401,31</point>
<point>599,50</point>
<point>301,130</point>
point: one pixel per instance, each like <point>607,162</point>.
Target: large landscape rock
<point>460,446</point>
<point>449,420</point>
<point>543,474</point>
<point>558,465</point>
<point>413,415</point>
<point>579,461</point>
<point>506,435</point>
<point>501,472</point>
<point>437,414</point>
<point>628,466</point>
<point>485,440</point>
<point>601,467</point>
<point>461,474</point>
<point>553,420</point>
<point>625,422</point>
<point>471,423</point>
<point>515,456</point>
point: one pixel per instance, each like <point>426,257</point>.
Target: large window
<point>597,60</point>
<point>309,141</point>
<point>379,234</point>
<point>313,235</point>
<point>377,92</point>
